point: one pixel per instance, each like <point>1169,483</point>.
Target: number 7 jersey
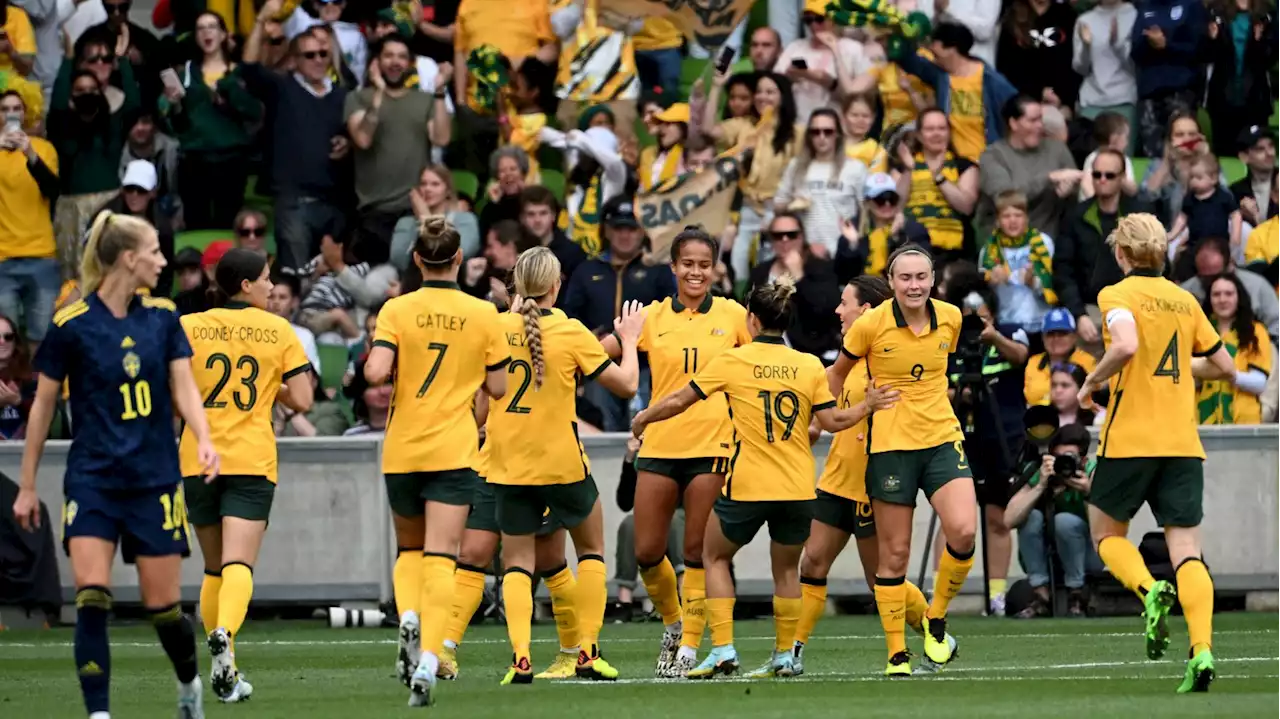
<point>1153,409</point>
<point>242,356</point>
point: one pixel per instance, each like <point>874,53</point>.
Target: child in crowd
<point>1018,262</point>
<point>1110,130</point>
<point>531,99</point>
<point>1208,209</point>
<point>859,113</point>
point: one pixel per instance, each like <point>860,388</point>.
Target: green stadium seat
<point>1232,169</point>
<point>550,157</point>
<point>333,364</point>
<point>553,180</point>
<point>1140,165</point>
<point>691,69</point>
<point>200,239</point>
<point>466,183</point>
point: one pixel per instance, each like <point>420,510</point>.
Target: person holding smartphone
<point>810,63</point>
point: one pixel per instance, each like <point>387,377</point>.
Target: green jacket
<point>89,159</point>
<point>212,120</point>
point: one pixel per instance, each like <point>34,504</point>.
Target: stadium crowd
<point>1010,142</point>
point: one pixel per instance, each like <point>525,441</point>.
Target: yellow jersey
<point>241,357</point>
<point>1037,376</point>
<point>516,29</point>
<point>927,205</point>
<point>597,64</point>
<point>968,120</point>
<point>1221,403</point>
<point>915,365</point>
<point>1156,382</point>
<point>681,341</point>
<point>868,152</point>
<point>534,430</point>
<point>657,33</point>
<point>773,392</point>
<point>898,107</point>
<point>845,474</point>
<point>1263,244</point>
<point>24,210</point>
<point>445,342</point>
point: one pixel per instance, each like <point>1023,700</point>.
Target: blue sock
<point>178,639</point>
<point>93,653</point>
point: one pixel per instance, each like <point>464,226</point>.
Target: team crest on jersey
<point>944,345</point>
<point>1175,14</point>
<point>891,483</point>
<point>69,512</point>
<point>717,332</point>
<point>132,365</point>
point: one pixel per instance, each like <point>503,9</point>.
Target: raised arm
<point>666,408</point>
<point>624,379</point>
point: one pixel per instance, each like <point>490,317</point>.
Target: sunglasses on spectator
<point>313,54</point>
<point>785,234</point>
<point>886,199</point>
<point>8,336</point>
<point>812,19</point>
<point>822,132</point>
<point>94,59</point>
<point>1098,175</point>
<point>251,231</point>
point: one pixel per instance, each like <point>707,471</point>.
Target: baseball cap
<point>1252,135</point>
<point>678,112</point>
<point>1058,319</point>
<point>620,212</point>
<point>879,184</point>
<point>214,252</point>
<point>816,7</point>
<point>187,258</point>
<point>140,173</point>
<point>402,21</point>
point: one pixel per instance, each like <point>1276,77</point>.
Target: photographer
<point>1069,470</point>
<point>986,373</point>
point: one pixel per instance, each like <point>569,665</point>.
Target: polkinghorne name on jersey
<point>1159,304</point>
<point>228,333</point>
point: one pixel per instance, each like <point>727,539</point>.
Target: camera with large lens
<point>969,350</point>
<point>1065,466</point>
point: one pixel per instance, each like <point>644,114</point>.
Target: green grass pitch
<point>1006,668</point>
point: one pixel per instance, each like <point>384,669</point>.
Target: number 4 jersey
<point>117,370</point>
<point>1153,409</point>
<point>242,355</point>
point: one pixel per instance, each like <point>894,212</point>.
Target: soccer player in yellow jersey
<point>683,460</point>
<point>538,465</point>
<point>1152,328</point>
<point>915,446</point>
<point>773,391</point>
<point>842,508</point>
<point>441,345</point>
<point>242,356</point>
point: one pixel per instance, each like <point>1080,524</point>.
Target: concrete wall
<point>330,537</point>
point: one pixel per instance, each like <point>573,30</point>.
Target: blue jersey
<point>121,406</point>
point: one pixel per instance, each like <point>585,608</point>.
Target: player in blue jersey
<point>127,361</point>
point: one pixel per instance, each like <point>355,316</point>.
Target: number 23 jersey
<point>242,355</point>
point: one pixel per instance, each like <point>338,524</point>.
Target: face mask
<point>89,104</point>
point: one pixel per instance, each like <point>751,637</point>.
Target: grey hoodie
<point>47,17</point>
<point>1107,68</point>
<point>165,158</point>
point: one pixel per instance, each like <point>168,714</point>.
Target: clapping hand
<point>631,322</point>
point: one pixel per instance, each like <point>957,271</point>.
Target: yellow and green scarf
<point>883,15</point>
<point>1041,259</point>
<point>490,76</point>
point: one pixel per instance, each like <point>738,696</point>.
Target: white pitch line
<point>843,678</point>
<point>607,641</point>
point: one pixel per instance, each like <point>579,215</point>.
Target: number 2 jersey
<point>121,406</point>
<point>445,342</point>
<point>773,392</point>
<point>242,355</point>
<point>1153,397</point>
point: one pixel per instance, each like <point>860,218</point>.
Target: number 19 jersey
<point>242,355</point>
<point>445,342</point>
<point>1153,409</point>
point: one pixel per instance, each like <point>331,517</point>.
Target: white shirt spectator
<point>85,16</point>
<point>308,341</point>
<point>809,95</point>
<point>830,200</point>
<point>982,17</point>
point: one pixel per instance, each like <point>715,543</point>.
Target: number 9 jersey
<point>242,355</point>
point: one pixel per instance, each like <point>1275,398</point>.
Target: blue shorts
<point>148,522</point>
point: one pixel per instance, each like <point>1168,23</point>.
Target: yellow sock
<point>660,581</point>
<point>564,588</point>
<point>891,602</point>
<point>406,579</point>
<point>952,571</point>
<point>517,601</point>
<point>436,603</point>
<point>468,592</point>
<point>1195,594</point>
<point>813,603</point>
<point>593,594</point>
<point>916,607</point>
<point>1124,561</point>
<point>209,600</point>
<point>234,596</point>
<point>720,620</point>
<point>996,587</point>
<point>786,614</point>
<point>693,611</point>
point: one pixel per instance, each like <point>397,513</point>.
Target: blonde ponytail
<point>533,338</point>
<point>109,235</point>
<point>1142,239</point>
<point>536,273</point>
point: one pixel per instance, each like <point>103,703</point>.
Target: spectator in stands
<point>1110,130</point>
<point>508,167</point>
<point>811,63</point>
<point>538,213</point>
<point>198,298</point>
<point>1263,246</point>
<point>1257,150</point>
<point>145,141</point>
<point>940,186</point>
<point>392,127</point>
<point>283,302</point>
<point>17,40</point>
<point>763,52</point>
<point>1165,47</point>
<point>1165,183</point>
<point>815,328</point>
<point>434,195</point>
<point>1037,39</point>
<point>434,38</point>
<point>489,276</point>
<point>343,290</point>
<point>980,17</point>
<point>1018,262</point>
<point>340,70</point>
<point>775,143</point>
<point>17,383</point>
<point>350,48</point>
<point>739,91</point>
<point>210,116</point>
<point>324,419</point>
<point>1208,209</point>
<point>665,160</point>
<point>822,185</point>
<point>390,21</point>
<point>96,52</point>
<point>250,227</point>
<point>187,274</point>
<point>308,142</point>
<point>1042,168</point>
<point>970,92</point>
<point>1083,264</point>
<point>140,46</point>
<point>46,18</point>
<point>1236,402</point>
<point>1213,258</point>
<point>29,278</point>
<point>138,198</point>
<point>859,113</point>
<point>1241,47</point>
<point>658,56</point>
<point>586,43</point>
<point>1103,41</point>
<point>1065,381</point>
<point>596,173</point>
<point>1059,337</point>
<point>882,228</point>
<point>1070,524</point>
<point>901,95</point>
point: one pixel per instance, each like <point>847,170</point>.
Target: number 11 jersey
<point>242,356</point>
